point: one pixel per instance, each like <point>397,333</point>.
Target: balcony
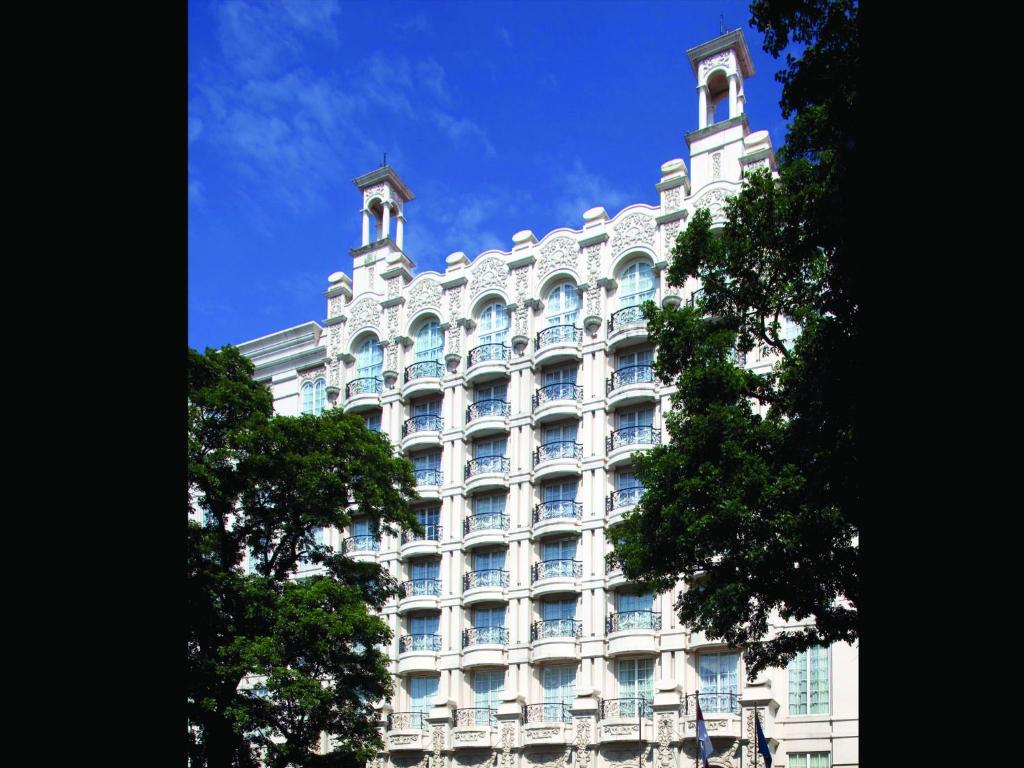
<point>413,544</point>
<point>484,586</point>
<point>418,653</point>
<point>418,595</point>
<point>548,628</point>
<point>620,719</point>
<point>631,385</point>
<point>712,703</point>
<point>361,544</point>
<point>487,361</point>
<point>721,711</point>
<point>487,417</point>
<point>363,394</point>
<point>469,716</point>
<point>428,482</point>
<point>559,457</point>
<point>487,472</point>
<point>484,647</point>
<point>626,325</point>
<point>559,343</point>
<point>422,378</point>
<point>632,632</point>
<point>484,528</point>
<point>617,503</point>
<point>559,516</point>
<point>551,576</point>
<point>621,443</point>
<point>553,712</point>
<point>423,430</point>
<point>559,400</point>
<point>407,730</point>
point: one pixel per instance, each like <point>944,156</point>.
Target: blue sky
<point>500,116</point>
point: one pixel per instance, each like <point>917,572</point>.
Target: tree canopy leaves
<point>264,484</point>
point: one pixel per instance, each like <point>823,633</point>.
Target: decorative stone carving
<point>582,742</point>
<point>404,738</point>
<point>543,733</point>
<point>313,373</point>
<point>619,730</point>
<point>762,163</point>
<point>635,229</point>
<point>671,231</point>
<point>713,200</point>
<point>365,314</point>
<point>619,758</point>
<point>665,733</point>
<point>333,375</point>
<point>543,759</point>
<point>390,357</point>
<point>507,737</point>
<point>454,336</point>
<point>425,293</point>
<point>475,760</point>
<point>454,304</point>
<point>592,254</point>
<point>559,252</point>
<point>369,272</point>
<point>394,285</point>
<point>716,165</point>
<point>723,59</point>
<point>438,744</point>
<point>393,320</point>
<point>333,340</point>
<point>672,199</point>
<point>335,305</point>
<point>489,273</point>
<point>464,736</point>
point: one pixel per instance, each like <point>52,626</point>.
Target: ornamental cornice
<point>365,313</point>
<point>560,251</point>
<point>666,218</point>
<point>594,239</point>
<point>336,320</point>
<point>424,293</point>
<point>488,273</point>
<point>393,302</point>
<point>635,229</point>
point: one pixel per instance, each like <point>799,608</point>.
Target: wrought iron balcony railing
<point>419,643</point>
<point>561,390</point>
<point>367,385</point>
<point>548,712</point>
<point>428,422</point>
<point>558,334</point>
<point>428,476</point>
<point>627,708</point>
<point>420,588</point>
<point>483,464</point>
<point>408,721</point>
<point>362,543</point>
<point>482,635</point>
<point>558,449</point>
<point>695,297</point>
<point>482,408</point>
<point>425,369</point>
<point>488,352</point>
<point>639,435</point>
<point>547,569</point>
<point>541,630</point>
<point>486,521</point>
<point>561,508</point>
<point>631,374</point>
<point>719,703</point>
<point>624,497</point>
<point>630,317</point>
<point>431,532</point>
<point>626,620</point>
<point>476,716</point>
<point>489,577</point>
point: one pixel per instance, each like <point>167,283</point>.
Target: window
<point>488,568</point>
<point>789,329</point>
<point>807,760</point>
<point>373,421</point>
<point>559,499</point>
<point>643,417</point>
<point>494,324</point>
<point>421,691</point>
<point>489,454</point>
<point>423,629</point>
<point>636,285</point>
<point>488,511</point>
<point>562,309</point>
<point>487,687</point>
<point>318,540</point>
<point>552,610</point>
<point>429,342</point>
<point>489,624</point>
<point>635,357</point>
<point>559,684</point>
<point>369,360</point>
<point>635,610</point>
<point>314,397</point>
<point>427,408</point>
<point>428,569</point>
<point>636,681</point>
<point>426,468</point>
<point>561,376</point>
<point>629,487</point>
<point>430,519</point>
<point>634,367</point>
<point>718,675</point>
<point>562,553</point>
<point>307,397</point>
<point>808,682</point>
<point>559,442</point>
<point>490,392</point>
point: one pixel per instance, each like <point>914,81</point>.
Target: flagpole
<point>696,728</point>
<point>755,737</point>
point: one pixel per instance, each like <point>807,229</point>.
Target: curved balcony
<point>628,324</point>
<point>487,417</point>
<point>418,653</point>
<point>629,708</point>
<point>362,547</point>
<point>618,503</point>
<point>484,528</point>
<point>484,586</point>
<point>407,730</point>
<point>415,545</point>
<point>421,431</point>
<point>621,443</point>
<point>712,703</point>
<point>547,629</point>
<point>559,400</point>
<point>632,632</point>
<point>428,482</point>
<point>559,516</point>
<point>558,343</point>
<point>484,647</point>
<point>548,712</point>
<point>487,361</point>
<point>487,472</point>
<point>559,457</point>
<point>422,378</point>
<point>467,716</point>
<point>551,576</point>
<point>419,594</point>
<point>363,394</point>
<point>631,385</point>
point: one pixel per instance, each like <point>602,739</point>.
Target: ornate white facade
<point>519,383</point>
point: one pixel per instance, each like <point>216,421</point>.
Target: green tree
<point>265,484</point>
<point>755,501</point>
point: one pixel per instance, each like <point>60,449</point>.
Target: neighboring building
<point>520,385</point>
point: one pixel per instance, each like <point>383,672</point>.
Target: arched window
<point>307,397</point>
<point>369,360</point>
<point>637,284</point>
<point>429,342</point>
<point>314,397</point>
<point>562,309</point>
<point>494,324</point>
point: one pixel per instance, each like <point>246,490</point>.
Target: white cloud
<point>582,189</point>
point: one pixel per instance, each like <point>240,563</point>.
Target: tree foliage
<point>755,501</point>
<point>265,483</point>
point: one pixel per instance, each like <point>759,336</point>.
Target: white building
<point>519,383</point>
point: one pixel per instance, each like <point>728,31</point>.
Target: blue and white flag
<point>703,740</point>
<point>762,742</point>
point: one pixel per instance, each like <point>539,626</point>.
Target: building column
<point>385,227</point>
<point>366,227</point>
<point>702,106</point>
<point>732,96</point>
<point>400,230</point>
